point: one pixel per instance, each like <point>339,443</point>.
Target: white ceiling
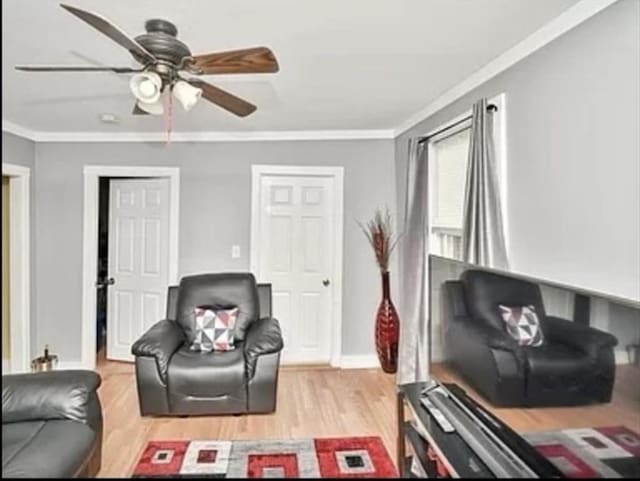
<point>344,64</point>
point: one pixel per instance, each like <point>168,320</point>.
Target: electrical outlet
<point>235,252</point>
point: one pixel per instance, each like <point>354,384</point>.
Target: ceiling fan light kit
<point>187,94</point>
<point>147,88</point>
<point>164,59</point>
<point>153,108</point>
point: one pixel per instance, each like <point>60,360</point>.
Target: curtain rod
<point>490,108</point>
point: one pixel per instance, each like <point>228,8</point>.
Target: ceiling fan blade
<point>224,99</point>
<point>75,68</point>
<point>138,111</point>
<point>114,33</point>
<point>248,60</point>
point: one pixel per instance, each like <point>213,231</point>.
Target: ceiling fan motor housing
<point>160,39</point>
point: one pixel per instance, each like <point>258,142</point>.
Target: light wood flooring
<point>319,402</point>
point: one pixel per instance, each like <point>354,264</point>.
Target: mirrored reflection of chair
<point>575,364</point>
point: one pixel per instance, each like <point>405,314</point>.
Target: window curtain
<point>483,240</point>
<point>413,250</point>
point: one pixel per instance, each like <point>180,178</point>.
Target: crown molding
<point>567,20</point>
<point>257,136</point>
<point>19,130</point>
<point>564,22</point>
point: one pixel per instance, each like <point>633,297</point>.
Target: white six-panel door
<point>295,252</point>
<point>138,260</point>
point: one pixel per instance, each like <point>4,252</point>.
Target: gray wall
<point>18,150</point>
<point>573,180</point>
<point>214,214</point>
<point>21,151</point>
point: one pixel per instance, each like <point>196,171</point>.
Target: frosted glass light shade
<point>146,86</point>
<point>153,108</point>
<point>186,94</point>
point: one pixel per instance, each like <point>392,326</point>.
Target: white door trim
<point>19,266</point>
<point>92,174</point>
<point>337,174</point>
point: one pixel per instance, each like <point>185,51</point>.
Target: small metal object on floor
<point>46,362</point>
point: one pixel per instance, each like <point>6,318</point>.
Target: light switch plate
<point>235,252</point>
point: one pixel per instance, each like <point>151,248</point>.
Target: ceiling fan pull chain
<point>169,114</point>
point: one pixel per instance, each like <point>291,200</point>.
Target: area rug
<point>359,457</point>
<point>610,452</point>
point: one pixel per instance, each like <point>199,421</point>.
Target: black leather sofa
<point>51,425</point>
<point>574,366</point>
<point>174,380</point>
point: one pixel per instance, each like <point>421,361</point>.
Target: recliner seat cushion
<point>15,436</point>
<point>221,290</point>
<point>555,365</point>
<point>207,374</point>
<point>48,449</point>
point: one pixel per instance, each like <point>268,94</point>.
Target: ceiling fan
<point>167,63</point>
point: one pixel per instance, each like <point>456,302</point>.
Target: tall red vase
<point>387,329</point>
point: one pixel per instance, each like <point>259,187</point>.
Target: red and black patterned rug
<point>607,452</point>
<point>578,453</point>
<point>360,457</point>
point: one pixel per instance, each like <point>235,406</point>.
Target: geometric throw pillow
<point>214,329</point>
<point>522,324</point>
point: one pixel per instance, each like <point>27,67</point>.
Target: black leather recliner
<point>172,379</point>
<point>574,366</point>
<point>51,425</point>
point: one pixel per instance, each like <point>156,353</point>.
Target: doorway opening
<point>16,244</point>
<point>132,261</point>
<point>6,275</point>
<point>130,256</point>
<point>103,268</point>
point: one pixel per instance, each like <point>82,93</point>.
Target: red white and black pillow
<point>522,324</point>
<point>214,328</point>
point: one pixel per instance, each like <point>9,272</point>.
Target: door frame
<point>92,174</point>
<point>337,175</point>
<point>19,265</point>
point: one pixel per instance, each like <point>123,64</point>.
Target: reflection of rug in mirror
<point>359,457</point>
<point>591,452</point>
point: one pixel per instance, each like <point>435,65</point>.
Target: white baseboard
<point>62,366</point>
<point>621,355</point>
<point>67,365</point>
<point>359,361</point>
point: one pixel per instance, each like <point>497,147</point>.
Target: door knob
<point>106,282</point>
<point>326,282</point>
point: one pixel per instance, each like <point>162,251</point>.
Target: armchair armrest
<point>52,395</point>
<point>585,338</point>
<point>488,357</point>
<point>263,337</point>
<point>160,341</point>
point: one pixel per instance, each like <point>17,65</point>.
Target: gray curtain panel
<point>482,231</point>
<point>413,350</point>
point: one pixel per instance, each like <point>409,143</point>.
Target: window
<point>448,171</point>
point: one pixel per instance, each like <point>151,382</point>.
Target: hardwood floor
<point>312,402</point>
<point>319,402</point>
